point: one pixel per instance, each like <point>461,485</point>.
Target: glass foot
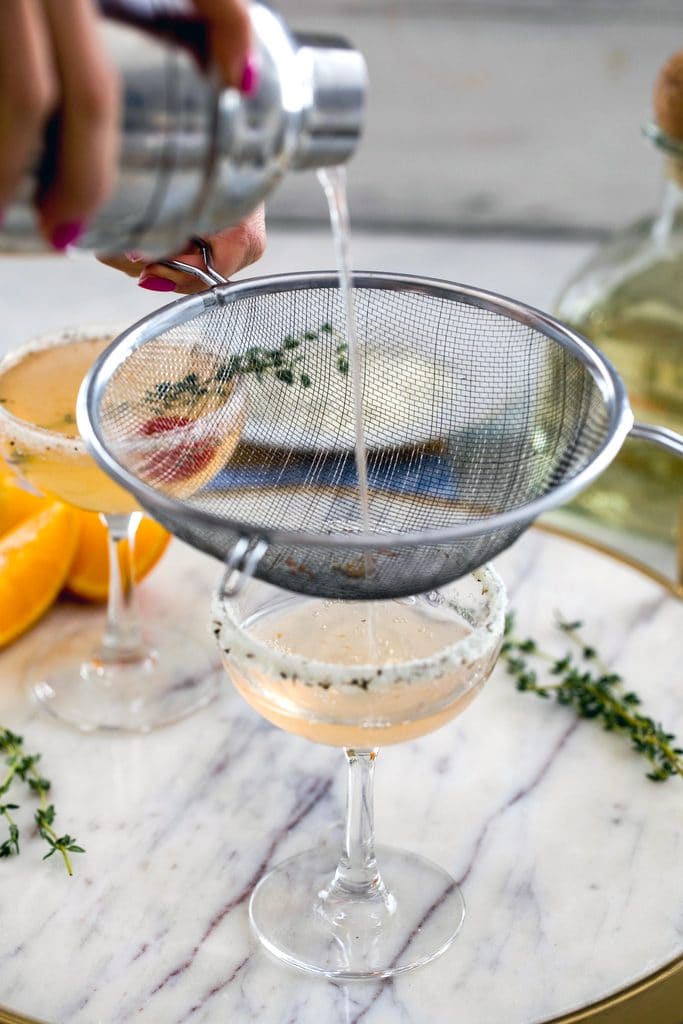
<point>410,921</point>
<point>173,678</point>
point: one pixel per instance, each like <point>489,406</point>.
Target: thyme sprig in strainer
<point>480,413</point>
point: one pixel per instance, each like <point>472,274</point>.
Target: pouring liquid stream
<point>333,181</point>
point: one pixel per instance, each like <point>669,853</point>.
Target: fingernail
<point>251,77</point>
<point>65,234</point>
<point>134,256</point>
<point>156,284</point>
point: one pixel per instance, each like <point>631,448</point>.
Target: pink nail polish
<point>134,256</point>
<point>65,234</point>
<point>156,284</point>
<point>251,77</point>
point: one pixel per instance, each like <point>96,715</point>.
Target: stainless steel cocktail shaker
<point>195,156</point>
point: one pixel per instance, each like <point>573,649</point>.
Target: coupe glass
<point>359,675</point>
<point>120,674</point>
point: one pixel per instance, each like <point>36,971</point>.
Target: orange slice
<point>88,576</point>
<point>34,560</point>
<point>17,503</point>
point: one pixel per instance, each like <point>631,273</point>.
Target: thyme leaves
<point>581,680</point>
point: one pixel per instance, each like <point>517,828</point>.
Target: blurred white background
<point>515,116</point>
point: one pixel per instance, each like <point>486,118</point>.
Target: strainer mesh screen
<point>245,411</point>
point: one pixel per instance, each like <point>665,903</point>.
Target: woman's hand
<point>230,33</point>
<point>54,70</point>
<point>52,62</point>
<point>233,249</point>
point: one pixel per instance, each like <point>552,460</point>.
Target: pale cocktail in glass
<point>358,676</point>
<point>117,675</point>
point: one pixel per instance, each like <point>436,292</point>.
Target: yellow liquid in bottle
<point>639,326</point>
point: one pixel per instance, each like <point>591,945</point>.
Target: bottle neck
<point>673,172</point>
<point>671,204</point>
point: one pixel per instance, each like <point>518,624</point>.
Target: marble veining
<point>568,857</point>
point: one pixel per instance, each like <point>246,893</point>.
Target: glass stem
<point>122,640</point>
<point>357,872</point>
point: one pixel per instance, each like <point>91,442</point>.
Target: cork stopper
<point>668,97</point>
<point>668,108</point>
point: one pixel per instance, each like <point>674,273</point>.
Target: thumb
<point>233,250</point>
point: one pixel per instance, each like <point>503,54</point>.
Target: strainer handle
<point>662,436</point>
<point>210,276</point>
<point>241,564</point>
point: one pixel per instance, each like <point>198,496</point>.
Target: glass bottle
<point>628,300</point>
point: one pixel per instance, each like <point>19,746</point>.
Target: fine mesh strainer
<point>228,415</point>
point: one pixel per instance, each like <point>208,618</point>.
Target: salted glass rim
<point>53,339</point>
<point>235,642</point>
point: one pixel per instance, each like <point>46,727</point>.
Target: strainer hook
<point>241,564</point>
<point>209,276</point>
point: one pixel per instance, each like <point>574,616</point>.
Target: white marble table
<point>568,857</point>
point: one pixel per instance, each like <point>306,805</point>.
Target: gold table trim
<point>9,1017</point>
<point>656,999</point>
<point>672,586</point>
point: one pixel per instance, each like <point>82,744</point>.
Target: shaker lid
<point>336,82</point>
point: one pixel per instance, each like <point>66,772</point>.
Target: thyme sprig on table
<point>586,684</point>
<point>283,363</point>
<point>21,765</point>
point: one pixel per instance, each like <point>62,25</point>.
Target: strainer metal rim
<point>183,309</point>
